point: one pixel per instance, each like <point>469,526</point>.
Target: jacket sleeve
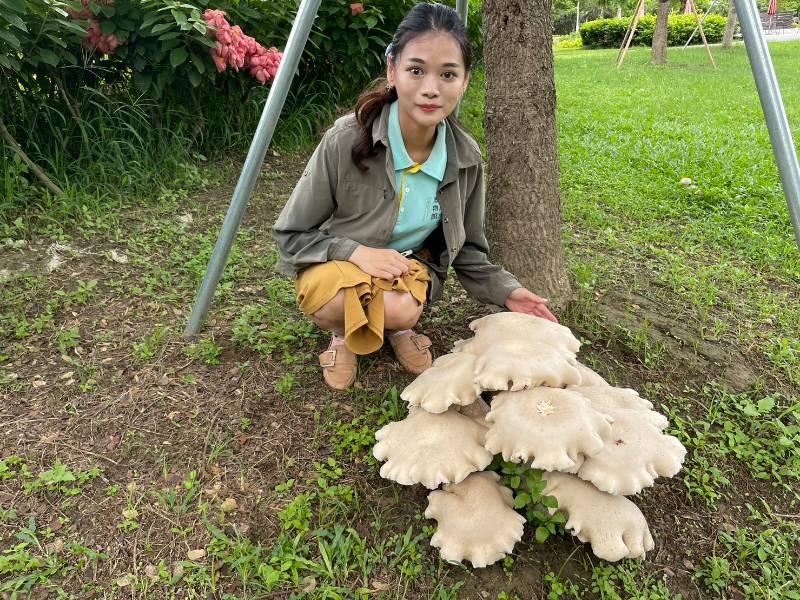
<point>484,281</point>
<point>297,232</point>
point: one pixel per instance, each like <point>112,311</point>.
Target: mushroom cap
<point>511,325</point>
<point>554,427</point>
<point>518,364</point>
<point>635,455</point>
<point>450,380</point>
<point>588,376</point>
<point>476,520</point>
<point>613,525</point>
<point>610,400</point>
<point>431,448</point>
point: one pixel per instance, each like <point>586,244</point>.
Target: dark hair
<point>421,19</point>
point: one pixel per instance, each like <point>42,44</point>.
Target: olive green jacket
<point>335,207</point>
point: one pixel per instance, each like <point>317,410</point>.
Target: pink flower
<point>356,8</point>
<point>237,50</point>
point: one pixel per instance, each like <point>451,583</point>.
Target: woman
<point>391,198</point>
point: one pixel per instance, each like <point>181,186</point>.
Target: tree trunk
<point>659,56</point>
<point>523,220</point>
<point>730,26</point>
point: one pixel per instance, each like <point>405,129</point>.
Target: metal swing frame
<point>760,61</point>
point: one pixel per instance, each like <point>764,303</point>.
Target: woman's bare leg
<point>401,311</point>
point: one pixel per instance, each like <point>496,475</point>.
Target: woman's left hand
<point>525,301</point>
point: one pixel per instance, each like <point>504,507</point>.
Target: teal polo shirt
<point>417,186</point>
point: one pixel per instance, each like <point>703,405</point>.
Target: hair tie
<point>388,49</point>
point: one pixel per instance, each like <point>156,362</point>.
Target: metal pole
<point>462,8</point>
<point>252,164</point>
<point>771,102</point>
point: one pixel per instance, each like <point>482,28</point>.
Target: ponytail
<point>368,108</point>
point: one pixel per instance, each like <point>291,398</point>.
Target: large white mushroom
<point>553,428</point>
<point>515,365</point>
<point>450,380</point>
<point>635,455</point>
<point>610,400</point>
<point>476,520</point>
<point>516,351</point>
<point>510,325</point>
<point>588,376</point>
<point>431,448</point>
<point>613,525</point>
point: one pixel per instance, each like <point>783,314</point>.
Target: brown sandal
<point>412,351</point>
<point>338,366</point>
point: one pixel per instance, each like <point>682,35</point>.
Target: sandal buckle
<point>330,363</point>
<point>420,342</point>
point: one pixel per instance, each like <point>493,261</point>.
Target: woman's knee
<point>332,313</point>
<point>401,310</point>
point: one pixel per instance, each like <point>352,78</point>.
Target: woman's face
<point>430,72</point>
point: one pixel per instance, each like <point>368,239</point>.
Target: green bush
<point>609,33</point>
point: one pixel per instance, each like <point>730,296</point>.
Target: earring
<point>389,87</point>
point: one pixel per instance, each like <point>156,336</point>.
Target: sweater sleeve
<point>301,243</point>
<point>484,281</point>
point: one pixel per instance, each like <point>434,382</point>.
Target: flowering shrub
<point>95,38</point>
<point>240,51</point>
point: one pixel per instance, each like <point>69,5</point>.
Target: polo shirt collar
<point>436,162</point>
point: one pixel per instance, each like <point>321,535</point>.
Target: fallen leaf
<point>123,581</point>
<point>310,584</point>
<point>152,572</point>
<point>228,505</point>
<point>119,257</point>
<point>113,441</point>
<point>130,514</point>
<point>196,554</point>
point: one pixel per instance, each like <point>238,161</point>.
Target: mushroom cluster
<point>596,443</point>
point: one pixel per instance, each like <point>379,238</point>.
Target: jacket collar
<point>460,152</point>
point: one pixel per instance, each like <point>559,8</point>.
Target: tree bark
<point>730,26</point>
<point>659,56</point>
<point>523,221</point>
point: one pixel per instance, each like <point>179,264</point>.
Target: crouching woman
<point>391,198</point>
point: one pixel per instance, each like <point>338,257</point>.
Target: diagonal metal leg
<point>771,102</point>
<point>252,164</point>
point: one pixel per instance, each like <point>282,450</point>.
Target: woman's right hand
<point>383,263</point>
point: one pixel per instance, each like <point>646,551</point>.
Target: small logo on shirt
<point>436,213</point>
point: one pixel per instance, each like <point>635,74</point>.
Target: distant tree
<point>730,26</point>
<point>659,47</point>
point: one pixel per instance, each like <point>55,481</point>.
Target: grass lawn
<point>134,464</point>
